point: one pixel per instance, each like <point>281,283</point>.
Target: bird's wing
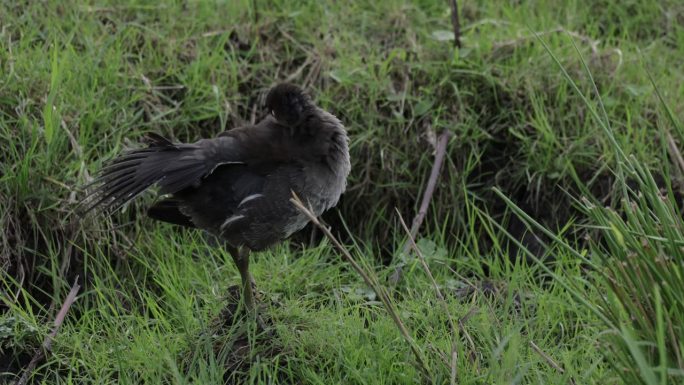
<point>172,166</point>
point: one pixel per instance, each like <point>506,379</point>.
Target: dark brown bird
<point>238,185</point>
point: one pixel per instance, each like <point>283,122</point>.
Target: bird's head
<point>288,104</point>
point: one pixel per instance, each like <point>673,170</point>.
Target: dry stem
<point>47,342</point>
<point>372,282</point>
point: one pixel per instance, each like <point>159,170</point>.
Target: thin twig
<point>440,354</point>
<point>550,360</point>
<point>380,292</point>
<point>674,152</point>
<point>440,297</point>
<point>455,22</point>
<point>47,342</point>
<point>440,151</point>
<point>461,326</point>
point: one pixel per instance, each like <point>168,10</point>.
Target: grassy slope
<point>77,80</point>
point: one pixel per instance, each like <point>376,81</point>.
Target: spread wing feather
<point>172,167</point>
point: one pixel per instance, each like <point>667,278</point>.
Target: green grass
<point>550,102</point>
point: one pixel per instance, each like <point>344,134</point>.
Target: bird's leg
<point>241,258</point>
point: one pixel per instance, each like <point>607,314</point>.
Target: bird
<point>238,184</point>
